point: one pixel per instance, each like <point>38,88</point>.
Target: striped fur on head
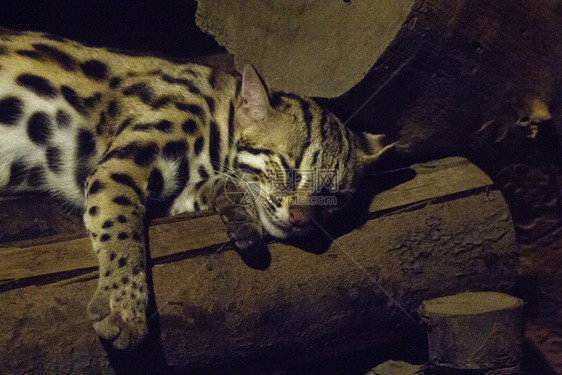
<point>306,160</point>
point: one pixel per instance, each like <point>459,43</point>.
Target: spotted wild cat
<point>124,137</point>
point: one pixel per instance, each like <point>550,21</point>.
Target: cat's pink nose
<point>298,217</point>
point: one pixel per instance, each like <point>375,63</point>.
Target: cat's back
<point>56,97</point>
<point>64,61</point>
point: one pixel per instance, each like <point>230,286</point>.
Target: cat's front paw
<point>118,310</point>
<point>240,217</point>
<point>245,233</point>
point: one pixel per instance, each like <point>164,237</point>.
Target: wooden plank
<point>170,237</point>
<point>434,179</point>
<point>165,240</point>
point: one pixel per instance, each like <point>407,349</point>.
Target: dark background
<point>164,26</point>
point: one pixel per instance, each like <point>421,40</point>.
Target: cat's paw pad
<point>119,315</point>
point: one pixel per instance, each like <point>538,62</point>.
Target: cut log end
<point>470,303</point>
<point>474,331</point>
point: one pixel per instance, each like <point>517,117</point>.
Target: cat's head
<point>302,163</point>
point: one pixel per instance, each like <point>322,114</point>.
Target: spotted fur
<point>126,137</point>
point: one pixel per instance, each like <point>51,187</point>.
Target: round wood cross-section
<point>476,330</point>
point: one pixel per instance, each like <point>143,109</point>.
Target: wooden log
<point>314,48</point>
<point>475,331</point>
<point>459,73</point>
<point>430,72</point>
<point>297,302</point>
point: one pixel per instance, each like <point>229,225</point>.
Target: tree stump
<point>474,331</point>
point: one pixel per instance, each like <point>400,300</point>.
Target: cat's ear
<point>373,146</point>
<point>254,102</point>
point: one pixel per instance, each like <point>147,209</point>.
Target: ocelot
<point>124,137</point>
